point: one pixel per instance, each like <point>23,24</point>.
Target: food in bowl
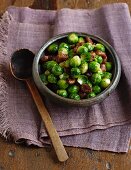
<point>76,67</point>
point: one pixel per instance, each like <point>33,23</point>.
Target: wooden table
<point>17,157</point>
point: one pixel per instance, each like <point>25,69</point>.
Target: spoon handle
<point>56,141</point>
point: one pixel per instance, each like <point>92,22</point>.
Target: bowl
<point>83,102</point>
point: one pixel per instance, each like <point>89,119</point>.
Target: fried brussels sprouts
<point>53,48</point>
<point>72,38</point>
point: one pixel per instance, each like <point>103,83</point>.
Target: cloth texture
<point>104,126</point>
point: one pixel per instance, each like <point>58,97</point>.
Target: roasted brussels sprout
<point>53,48</point>
<point>96,78</point>
<point>81,40</point>
<point>62,93</point>
<point>94,66</point>
<point>84,67</point>
<point>51,78</point>
<point>91,94</point>
<point>75,72</point>
<point>105,82</point>
<point>98,59</point>
<point>89,46</point>
<point>62,84</point>
<point>50,64</point>
<point>108,66</point>
<point>57,70</point>
<point>82,79</point>
<point>82,49</point>
<point>74,96</point>
<point>100,47</point>
<point>75,61</point>
<point>72,38</point>
<point>64,45</point>
<point>96,89</point>
<point>73,89</point>
<point>44,79</point>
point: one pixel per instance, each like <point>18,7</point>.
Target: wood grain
<point>18,157</point>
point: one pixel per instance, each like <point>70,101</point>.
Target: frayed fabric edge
<point>4,122</point>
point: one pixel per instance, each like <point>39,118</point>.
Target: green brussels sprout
<point>62,93</point>
<point>53,48</point>
<point>100,72</point>
<point>85,57</point>
<point>108,66</point>
<point>50,64</point>
<point>75,72</point>
<point>44,79</point>
<point>89,83</point>
<point>73,89</point>
<point>82,79</point>
<point>64,76</point>
<point>84,67</point>
<point>82,49</point>
<point>105,82</point>
<point>52,79</point>
<point>81,40</point>
<point>64,45</point>
<point>75,61</point>
<point>91,94</point>
<point>100,47</point>
<point>89,46</point>
<point>63,51</point>
<point>96,89</point>
<point>57,70</point>
<point>72,38</point>
<point>71,53</point>
<point>107,75</point>
<point>67,63</point>
<point>94,66</point>
<point>96,78</point>
<point>74,96</point>
<point>98,59</point>
<point>62,84</point>
<point>47,72</point>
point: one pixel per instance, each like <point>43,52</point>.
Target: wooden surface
<point>17,157</point>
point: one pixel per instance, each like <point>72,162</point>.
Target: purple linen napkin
<point>101,127</point>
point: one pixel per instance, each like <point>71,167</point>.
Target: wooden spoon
<point>21,69</point>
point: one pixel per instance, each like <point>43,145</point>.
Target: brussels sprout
<point>82,79</point>
<point>44,79</point>
<point>62,84</point>
<point>89,46</point>
<point>94,66</point>
<point>98,59</point>
<point>67,63</point>
<point>100,47</point>
<point>108,66</point>
<point>96,89</point>
<point>96,78</point>
<point>53,48</point>
<point>74,96</point>
<point>82,49</point>
<point>64,76</point>
<point>89,83</point>
<point>72,38</point>
<point>91,94</point>
<point>47,72</point>
<point>57,70</point>
<point>105,82</point>
<point>73,89</point>
<point>75,61</point>
<point>81,40</point>
<point>52,79</point>
<point>75,72</point>
<point>71,53</point>
<point>107,75</point>
<point>100,72</point>
<point>85,57</point>
<point>84,67</point>
<point>50,64</point>
<point>63,51</point>
<point>62,93</point>
<point>64,45</point>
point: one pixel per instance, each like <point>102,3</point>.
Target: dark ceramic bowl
<point>84,102</point>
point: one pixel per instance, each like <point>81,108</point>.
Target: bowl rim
<point>115,80</point>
